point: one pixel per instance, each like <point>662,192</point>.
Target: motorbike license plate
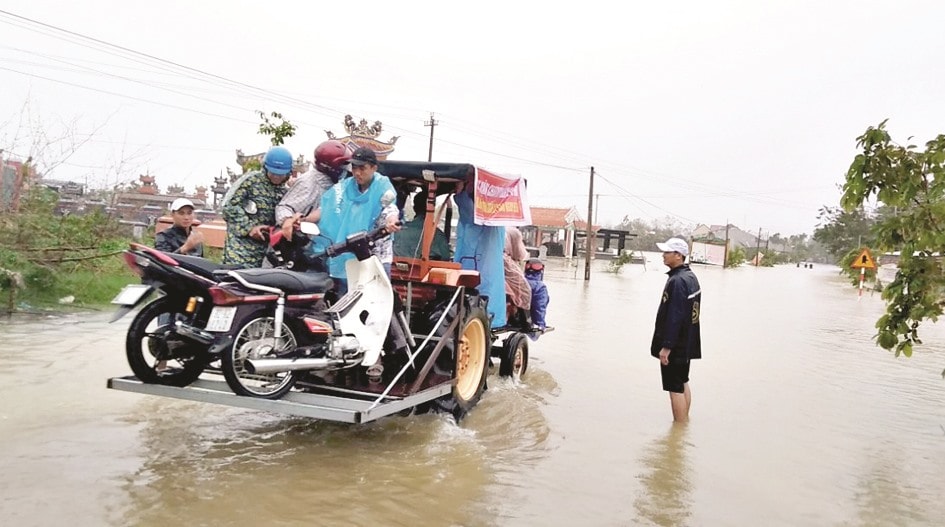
<point>131,294</point>
<point>221,318</point>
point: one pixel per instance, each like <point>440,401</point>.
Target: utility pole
<point>596,206</point>
<point>725,258</point>
<point>758,249</point>
<point>432,124</point>
<point>589,245</point>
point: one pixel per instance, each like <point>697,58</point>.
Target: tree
<point>648,234</point>
<point>912,183</point>
<point>841,231</point>
<point>736,257</point>
<point>279,131</point>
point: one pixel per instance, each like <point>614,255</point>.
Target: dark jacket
<point>170,240</point>
<point>677,321</point>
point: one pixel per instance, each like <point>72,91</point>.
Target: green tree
<point>277,131</point>
<point>912,182</point>
<point>841,231</point>
<point>736,257</point>
<point>649,233</point>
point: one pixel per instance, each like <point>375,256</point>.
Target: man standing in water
<point>676,338</point>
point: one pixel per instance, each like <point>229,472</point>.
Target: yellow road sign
<point>864,261</point>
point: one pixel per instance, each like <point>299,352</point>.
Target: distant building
<point>145,205</point>
<point>362,134</point>
<point>563,231</point>
<point>738,237</point>
<point>554,228</point>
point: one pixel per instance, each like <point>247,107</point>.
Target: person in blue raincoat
<point>359,203</point>
<point>481,247</point>
<point>534,275</point>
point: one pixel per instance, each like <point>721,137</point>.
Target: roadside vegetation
<point>62,262</point>
<point>48,259</point>
<point>907,184</point>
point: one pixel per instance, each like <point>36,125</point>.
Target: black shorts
<point>675,376</point>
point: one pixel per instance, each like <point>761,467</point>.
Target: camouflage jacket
<point>250,201</point>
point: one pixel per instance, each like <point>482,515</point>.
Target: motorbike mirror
<point>309,228</point>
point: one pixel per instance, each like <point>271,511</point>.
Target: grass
<point>88,288</point>
<point>91,284</point>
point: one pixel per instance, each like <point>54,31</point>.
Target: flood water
<point>797,419</point>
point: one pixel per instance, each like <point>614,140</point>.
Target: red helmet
<point>331,156</point>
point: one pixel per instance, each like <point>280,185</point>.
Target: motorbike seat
<point>201,266</point>
<point>289,281</point>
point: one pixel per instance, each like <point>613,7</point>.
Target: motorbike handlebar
<point>355,240</point>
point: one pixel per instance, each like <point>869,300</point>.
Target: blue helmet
<point>278,161</point>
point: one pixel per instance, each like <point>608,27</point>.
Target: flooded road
<point>797,419</point>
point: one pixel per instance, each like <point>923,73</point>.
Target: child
<point>534,274</point>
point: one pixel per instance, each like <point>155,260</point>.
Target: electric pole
<point>432,124</point>
<point>596,206</point>
<point>589,245</point>
<point>758,249</point>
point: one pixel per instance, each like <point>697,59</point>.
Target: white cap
<point>676,245</point>
<point>180,203</point>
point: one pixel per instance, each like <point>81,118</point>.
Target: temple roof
<point>553,216</point>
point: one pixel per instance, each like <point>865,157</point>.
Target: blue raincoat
<point>480,247</point>
<point>346,210</point>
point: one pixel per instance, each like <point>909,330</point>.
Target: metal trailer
<point>416,281</point>
<point>330,404</point>
<point>417,384</point>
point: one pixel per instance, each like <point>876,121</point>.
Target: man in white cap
<point>676,338</point>
<point>181,237</point>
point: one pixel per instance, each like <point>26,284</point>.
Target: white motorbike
<point>276,326</point>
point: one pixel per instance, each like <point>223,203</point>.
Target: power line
<point>630,195</point>
<point>149,101</point>
<point>86,69</point>
<point>161,66</point>
<point>151,57</point>
<point>245,85</point>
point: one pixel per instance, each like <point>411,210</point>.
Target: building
<point>554,228</point>
<point>144,204</point>
<point>362,134</point>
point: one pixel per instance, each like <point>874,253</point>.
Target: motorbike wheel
<point>471,367</point>
<point>253,341</point>
<point>514,359</point>
<point>155,353</point>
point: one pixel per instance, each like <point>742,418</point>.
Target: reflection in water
<point>882,496</point>
<point>221,466</point>
<point>853,434</point>
<point>297,471</point>
<point>667,483</point>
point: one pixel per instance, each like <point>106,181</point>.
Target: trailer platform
<point>346,407</point>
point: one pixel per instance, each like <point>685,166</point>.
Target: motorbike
<point>167,341</point>
<point>276,326</point>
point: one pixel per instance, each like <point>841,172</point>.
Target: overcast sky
<point>743,111</point>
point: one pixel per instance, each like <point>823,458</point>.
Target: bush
<point>616,265</point>
<point>59,256</point>
<point>736,257</point>
<point>39,278</point>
